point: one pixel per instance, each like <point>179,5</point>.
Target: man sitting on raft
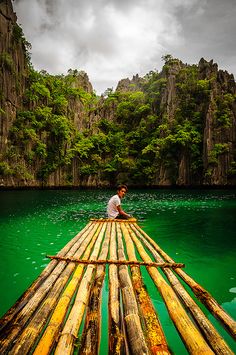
<point>114,209</point>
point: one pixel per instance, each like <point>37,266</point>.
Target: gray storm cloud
<point>113,39</point>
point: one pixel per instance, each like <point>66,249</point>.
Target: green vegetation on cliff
<point>155,131</point>
<point>174,127</point>
<point>42,137</point>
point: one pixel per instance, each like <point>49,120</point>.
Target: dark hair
<point>122,187</point>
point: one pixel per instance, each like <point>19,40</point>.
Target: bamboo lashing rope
<point>116,262</point>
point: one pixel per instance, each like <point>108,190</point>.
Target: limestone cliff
<point>201,94</point>
<point>15,79</point>
<point>127,85</point>
<point>217,107</point>
<point>219,132</point>
<point>13,69</point>
<point>176,127</point>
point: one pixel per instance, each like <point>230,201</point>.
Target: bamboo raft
<point>65,300</point>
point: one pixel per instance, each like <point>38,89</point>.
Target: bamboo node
<point>68,334</point>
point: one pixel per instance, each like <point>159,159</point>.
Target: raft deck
<point>65,300</point>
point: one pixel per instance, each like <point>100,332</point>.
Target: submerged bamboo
<point>70,331</point>
<point>116,334</point>
<point>214,339</point>
<point>204,296</point>
<point>154,333</point>
<point>136,339</point>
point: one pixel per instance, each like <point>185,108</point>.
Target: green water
<point>196,227</point>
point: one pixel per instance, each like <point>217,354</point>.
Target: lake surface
<point>196,227</point>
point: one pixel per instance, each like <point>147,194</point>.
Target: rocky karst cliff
<point>213,98</point>
<point>13,69</point>
<point>176,127</point>
<point>196,106</point>
<point>220,125</point>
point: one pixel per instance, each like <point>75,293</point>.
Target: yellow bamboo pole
<point>190,335</point>
<point>155,336</point>
<point>203,295</point>
<point>70,331</point>
<point>116,336</point>
<point>32,331</point>
<point>215,340</point>
<point>136,339</point>
<point>116,221</point>
<point>16,326</point>
<point>30,319</point>
<point>20,303</point>
<point>90,341</point>
<point>56,321</point>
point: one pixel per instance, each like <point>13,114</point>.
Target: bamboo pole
<point>154,332</point>
<point>97,220</point>
<point>29,335</point>
<point>90,341</point>
<point>136,339</point>
<point>20,303</point>
<point>72,325</point>
<point>116,262</point>
<point>215,340</point>
<point>27,320</point>
<point>203,295</point>
<point>190,335</point>
<point>10,332</point>
<point>116,336</point>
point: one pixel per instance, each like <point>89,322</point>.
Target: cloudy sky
<point>115,39</point>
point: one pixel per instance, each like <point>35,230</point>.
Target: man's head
<point>122,190</point>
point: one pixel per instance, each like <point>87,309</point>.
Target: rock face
<point>218,112</point>
<point>219,134</point>
<point>199,97</point>
<point>127,85</point>
<point>14,81</point>
<point>13,69</point>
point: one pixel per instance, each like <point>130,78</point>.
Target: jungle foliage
<point>142,136</point>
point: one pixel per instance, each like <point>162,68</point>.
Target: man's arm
<point>123,213</point>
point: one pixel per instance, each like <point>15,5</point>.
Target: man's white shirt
<point>112,206</point>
